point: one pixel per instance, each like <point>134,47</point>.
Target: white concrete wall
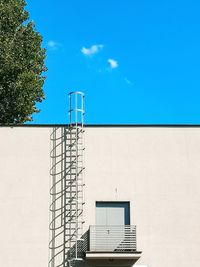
<point>156,169</point>
<point>24,196</point>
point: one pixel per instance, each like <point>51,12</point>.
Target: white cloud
<point>113,63</point>
<point>53,45</point>
<point>128,81</point>
<point>94,49</point>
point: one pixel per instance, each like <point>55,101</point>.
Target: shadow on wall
<point>57,193</point>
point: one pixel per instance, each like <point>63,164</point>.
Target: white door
<point>112,213</point>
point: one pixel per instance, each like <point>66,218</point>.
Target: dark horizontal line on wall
<point>141,125</point>
<point>105,125</point>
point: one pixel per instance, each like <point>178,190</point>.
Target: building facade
<point>141,195</point>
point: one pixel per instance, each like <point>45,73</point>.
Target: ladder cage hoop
<point>76,108</point>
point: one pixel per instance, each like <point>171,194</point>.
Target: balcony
<point>111,243</point>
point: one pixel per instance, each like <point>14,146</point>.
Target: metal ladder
<point>74,178</point>
<point>71,197</point>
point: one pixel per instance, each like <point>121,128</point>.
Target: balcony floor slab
<point>113,255</point>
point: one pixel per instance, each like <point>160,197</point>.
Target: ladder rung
<point>76,259</point>
<point>72,228</point>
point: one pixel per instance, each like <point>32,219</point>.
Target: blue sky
<point>137,61</point>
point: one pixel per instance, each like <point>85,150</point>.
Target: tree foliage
<point>21,64</point>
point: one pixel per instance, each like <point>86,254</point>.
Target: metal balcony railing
<point>116,238</point>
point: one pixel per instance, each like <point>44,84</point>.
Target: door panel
<point>115,216</point>
<point>112,213</point>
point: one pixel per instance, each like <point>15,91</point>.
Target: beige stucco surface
<point>156,169</point>
<point>24,196</point>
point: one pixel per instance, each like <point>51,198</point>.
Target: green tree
<point>21,64</point>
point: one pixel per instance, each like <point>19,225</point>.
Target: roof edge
<point>104,125</point>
